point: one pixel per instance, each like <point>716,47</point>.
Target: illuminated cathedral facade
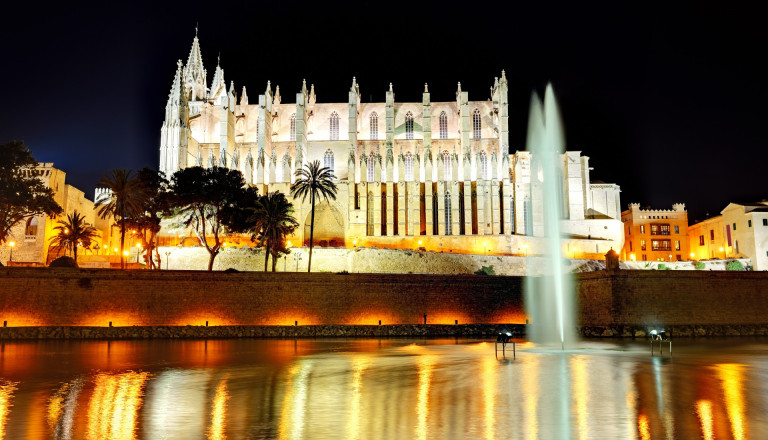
<point>432,175</point>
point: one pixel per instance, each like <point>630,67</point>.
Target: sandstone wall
<point>95,297</point>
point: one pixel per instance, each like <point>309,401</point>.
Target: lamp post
<point>485,248</point>
<point>723,251</point>
<point>167,258</point>
<point>297,257</point>
<point>11,244</point>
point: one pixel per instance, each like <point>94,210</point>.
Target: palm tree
<point>315,181</point>
<point>273,220</point>
<point>124,200</point>
<point>74,232</point>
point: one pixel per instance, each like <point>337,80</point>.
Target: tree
<point>22,193</point>
<point>153,203</point>
<point>314,181</point>
<point>123,201</point>
<point>74,232</point>
<point>206,198</point>
<point>272,221</point>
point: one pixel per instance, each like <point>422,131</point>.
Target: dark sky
<point>667,100</point>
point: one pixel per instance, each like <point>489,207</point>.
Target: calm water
<point>390,389</point>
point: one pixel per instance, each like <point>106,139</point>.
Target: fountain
<point>549,299</point>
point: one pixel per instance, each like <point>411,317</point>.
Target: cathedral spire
<point>194,73</point>
<point>177,97</point>
<point>276,99</point>
<point>244,97</point>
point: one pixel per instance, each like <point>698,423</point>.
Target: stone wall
<point>96,297</point>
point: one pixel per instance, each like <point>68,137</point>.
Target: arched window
<point>409,125</point>
<point>328,160</point>
<point>334,126</point>
<point>448,229</point>
<point>443,125</point>
<point>293,127</point>
<point>408,161</point>
<point>374,126</point>
<point>484,166</point>
<point>476,124</point>
<point>447,165</point>
<point>31,226</point>
<point>371,166</point>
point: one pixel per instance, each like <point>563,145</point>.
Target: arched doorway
<point>329,226</point>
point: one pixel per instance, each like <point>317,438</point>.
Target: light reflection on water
<point>371,389</point>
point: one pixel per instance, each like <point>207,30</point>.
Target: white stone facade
<point>404,169</point>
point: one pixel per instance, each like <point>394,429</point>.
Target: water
<point>550,299</point>
<point>389,389</point>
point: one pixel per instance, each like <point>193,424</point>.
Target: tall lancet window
<point>371,167</point>
<point>293,127</point>
<point>374,126</point>
<point>448,216</point>
<point>476,124</point>
<point>484,166</point>
<point>447,165</point>
<point>328,160</point>
<point>334,126</point>
<point>409,125</point>
<point>443,125</point>
<point>408,161</point>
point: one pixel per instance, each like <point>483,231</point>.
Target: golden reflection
<point>732,376</point>
<point>219,411</point>
<point>425,365</point>
<point>581,394</point>
<point>530,378</point>
<point>704,411</point>
<point>359,365</point>
<point>293,413</point>
<point>490,384</point>
<point>56,406</point>
<point>643,427</point>
<point>61,408</point>
<point>114,405</point>
<point>6,394</point>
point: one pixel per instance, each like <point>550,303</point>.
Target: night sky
<point>667,100</point>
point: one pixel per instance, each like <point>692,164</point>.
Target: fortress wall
<point>94,297</point>
<point>627,303</point>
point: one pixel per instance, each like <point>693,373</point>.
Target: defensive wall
<point>82,303</point>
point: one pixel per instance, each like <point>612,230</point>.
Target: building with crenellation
<point>655,234</point>
<point>431,174</point>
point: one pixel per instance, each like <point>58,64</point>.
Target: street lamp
<point>167,258</point>
<point>573,253</point>
<point>723,251</point>
<point>11,244</point>
<point>632,257</point>
<point>485,248</point>
<point>297,257</point>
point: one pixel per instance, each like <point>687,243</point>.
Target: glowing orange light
<point>643,427</point>
<point>219,412</point>
<point>126,253</point>
<point>632,257</point>
<point>704,411</point>
<point>11,243</point>
<point>732,376</point>
<point>425,364</point>
<point>114,405</point>
<point>6,394</point>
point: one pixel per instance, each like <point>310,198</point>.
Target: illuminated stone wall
<point>94,297</point>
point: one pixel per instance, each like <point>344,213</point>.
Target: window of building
<point>443,125</point>
<point>765,222</point>
<point>678,257</point>
<point>409,125</point>
<point>677,245</point>
<point>31,228</point>
<point>701,240</point>
<point>630,246</point>
<point>712,234</point>
<point>408,161</point>
<point>677,229</point>
<point>661,245</point>
<point>446,165</point>
<point>476,124</point>
<point>645,258</point>
<point>749,223</point>
<point>328,160</point>
<point>484,166</point>
<point>659,229</point>
<point>734,226</point>
<point>334,126</point>
<point>642,229</point>
<point>448,229</point>
<point>374,126</point>
<point>642,245</point>
<point>293,127</point>
<point>371,166</point>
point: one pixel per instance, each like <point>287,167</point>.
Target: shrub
<point>63,262</point>
<point>662,266</point>
<point>734,265</point>
<point>699,265</point>
<point>486,270</point>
